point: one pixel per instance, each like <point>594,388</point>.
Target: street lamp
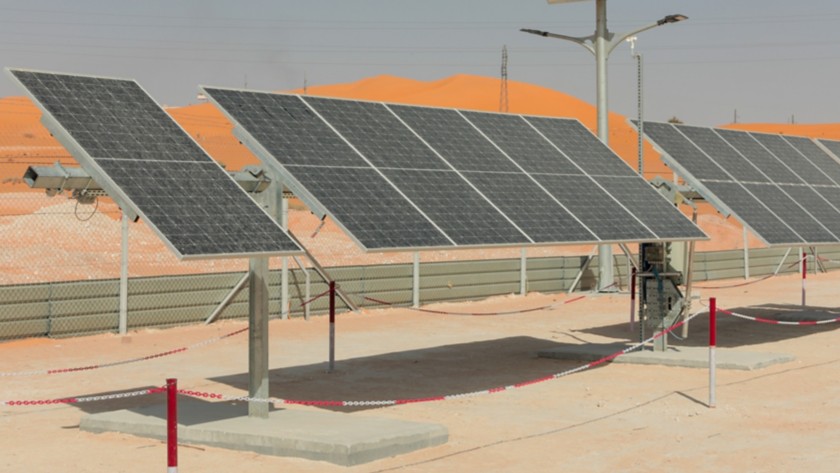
<point>601,44</point>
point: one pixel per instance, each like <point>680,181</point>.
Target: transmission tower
<point>503,95</point>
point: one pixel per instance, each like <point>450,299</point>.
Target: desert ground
<point>616,417</point>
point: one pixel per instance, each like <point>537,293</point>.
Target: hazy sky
<point>769,59</point>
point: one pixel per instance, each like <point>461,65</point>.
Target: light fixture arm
<point>613,40</point>
<point>586,42</point>
<point>618,39</point>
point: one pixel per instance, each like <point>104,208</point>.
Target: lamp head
<point>536,32</point>
<point>672,19</point>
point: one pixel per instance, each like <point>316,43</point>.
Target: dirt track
<point>614,418</point>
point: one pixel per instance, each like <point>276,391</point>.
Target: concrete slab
<point>334,437</point>
<point>688,357</point>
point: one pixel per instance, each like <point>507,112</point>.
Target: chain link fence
<point>61,263</point>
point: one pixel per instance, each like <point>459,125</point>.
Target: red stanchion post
<point>804,275</point>
<point>712,344</point>
<point>172,425</point>
<point>632,299</point>
<point>332,326</point>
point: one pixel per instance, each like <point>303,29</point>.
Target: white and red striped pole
<point>172,425</point>
<point>632,298</point>
<point>712,344</point>
<point>804,275</point>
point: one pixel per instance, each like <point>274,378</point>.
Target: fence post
<point>632,298</point>
<point>415,286</point>
<point>712,343</point>
<point>332,326</point>
<point>523,271</point>
<point>123,322</point>
<point>746,255</point>
<point>172,425</point>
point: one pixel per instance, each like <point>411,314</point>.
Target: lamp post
<point>601,44</point>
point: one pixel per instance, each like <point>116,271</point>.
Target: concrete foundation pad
<point>688,357</point>
<point>334,437</point>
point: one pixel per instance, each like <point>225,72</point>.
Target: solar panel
<point>691,158</point>
<point>317,161</point>
<point>593,156</point>
<point>535,211</point>
<point>723,153</point>
<point>522,143</point>
<point>815,204</point>
<point>833,147</point>
<point>393,145</point>
<point>757,154</point>
<point>585,199</point>
<point>796,216</point>
<point>490,171</point>
<point>457,140</point>
<point>656,213</point>
<point>786,153</point>
<point>778,186</point>
<point>763,222</point>
<point>461,212</point>
<point>471,175</point>
<point>142,158</point>
<point>813,153</point>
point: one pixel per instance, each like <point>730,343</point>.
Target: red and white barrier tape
<point>315,298</point>
<point>79,399</point>
<point>748,283</point>
<point>780,322</point>
<point>222,397</point>
<point>510,312</point>
<point>392,402</point>
<point>124,362</point>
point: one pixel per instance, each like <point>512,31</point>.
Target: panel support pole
<point>258,337</point>
<point>415,286</point>
<point>523,271</point>
<point>746,255</point>
<point>284,271</point>
<point>332,326</point>
<point>689,277</point>
<point>123,323</point>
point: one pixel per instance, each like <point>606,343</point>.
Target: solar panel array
<point>139,155</point>
<point>407,177</point>
<point>785,189</point>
